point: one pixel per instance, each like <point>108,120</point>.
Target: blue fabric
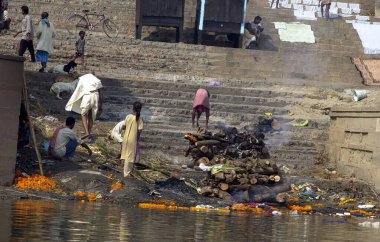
<point>45,21</point>
<point>42,56</point>
<point>71,146</point>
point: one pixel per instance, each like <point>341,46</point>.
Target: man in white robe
<point>87,100</point>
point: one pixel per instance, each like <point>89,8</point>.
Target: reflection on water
<point>26,220</point>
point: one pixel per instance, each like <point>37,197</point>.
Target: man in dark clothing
<point>27,34</point>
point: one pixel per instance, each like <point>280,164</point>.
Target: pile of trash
<point>235,161</point>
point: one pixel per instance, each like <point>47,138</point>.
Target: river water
<point>28,220</point>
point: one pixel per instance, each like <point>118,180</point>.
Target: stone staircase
<point>290,80</point>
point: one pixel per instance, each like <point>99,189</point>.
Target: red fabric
<point>54,138</point>
<point>201,99</point>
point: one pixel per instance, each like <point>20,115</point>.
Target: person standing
<point>130,149</point>
<point>27,34</point>
<point>45,34</point>
<point>87,100</point>
<point>79,47</point>
<point>277,2</point>
<point>64,142</point>
<point>325,4</point>
<point>201,104</point>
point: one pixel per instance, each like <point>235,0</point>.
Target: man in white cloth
<point>117,134</point>
<point>87,100</point>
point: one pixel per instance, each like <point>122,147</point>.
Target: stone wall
<point>12,70</point>
<point>354,142</point>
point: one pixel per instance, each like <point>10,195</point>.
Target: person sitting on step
<point>252,32</point>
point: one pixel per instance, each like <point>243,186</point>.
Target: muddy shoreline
<point>339,197</point>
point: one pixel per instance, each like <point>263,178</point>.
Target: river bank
<point>163,186</point>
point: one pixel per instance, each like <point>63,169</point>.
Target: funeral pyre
<point>236,162</point>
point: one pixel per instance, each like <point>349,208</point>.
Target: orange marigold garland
<point>36,182</point>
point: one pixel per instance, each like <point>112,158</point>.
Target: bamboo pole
<point>31,126</point>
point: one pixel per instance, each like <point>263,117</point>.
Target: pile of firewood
<point>237,161</point>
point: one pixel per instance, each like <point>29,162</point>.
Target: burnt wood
<point>165,13</point>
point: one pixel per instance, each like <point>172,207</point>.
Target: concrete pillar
<point>377,8</point>
<point>11,82</point>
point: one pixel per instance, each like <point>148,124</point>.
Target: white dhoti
<point>85,96</point>
<point>90,102</point>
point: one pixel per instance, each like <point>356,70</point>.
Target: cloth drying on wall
<point>369,35</point>
<point>295,32</point>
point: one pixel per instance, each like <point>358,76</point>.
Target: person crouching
<point>117,134</point>
<point>64,142</point>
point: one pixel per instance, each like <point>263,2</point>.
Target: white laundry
<point>342,5</point>
<point>354,5</point>
<point>362,18</point>
<point>286,5</point>
<point>333,10</point>
<point>376,23</point>
<point>311,8</point>
<point>304,15</point>
<point>295,32</point>
<point>356,10</point>
<point>308,2</point>
<point>297,6</point>
<point>296,1</point>
<point>333,5</point>
<point>346,10</point>
<point>343,15</point>
<point>315,2</point>
<point>369,35</point>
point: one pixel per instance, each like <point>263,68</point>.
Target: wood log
<point>215,192</point>
<point>219,176</point>
<point>244,187</point>
<point>253,181</point>
<point>207,142</point>
<point>274,178</point>
<point>254,154</point>
<point>243,180</point>
<point>207,190</point>
<point>204,149</point>
<point>282,197</point>
<point>229,177</point>
<point>223,186</point>
<point>263,179</point>
<point>224,195</point>
<point>204,160</point>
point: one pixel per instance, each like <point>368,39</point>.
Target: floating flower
<point>116,186</point>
